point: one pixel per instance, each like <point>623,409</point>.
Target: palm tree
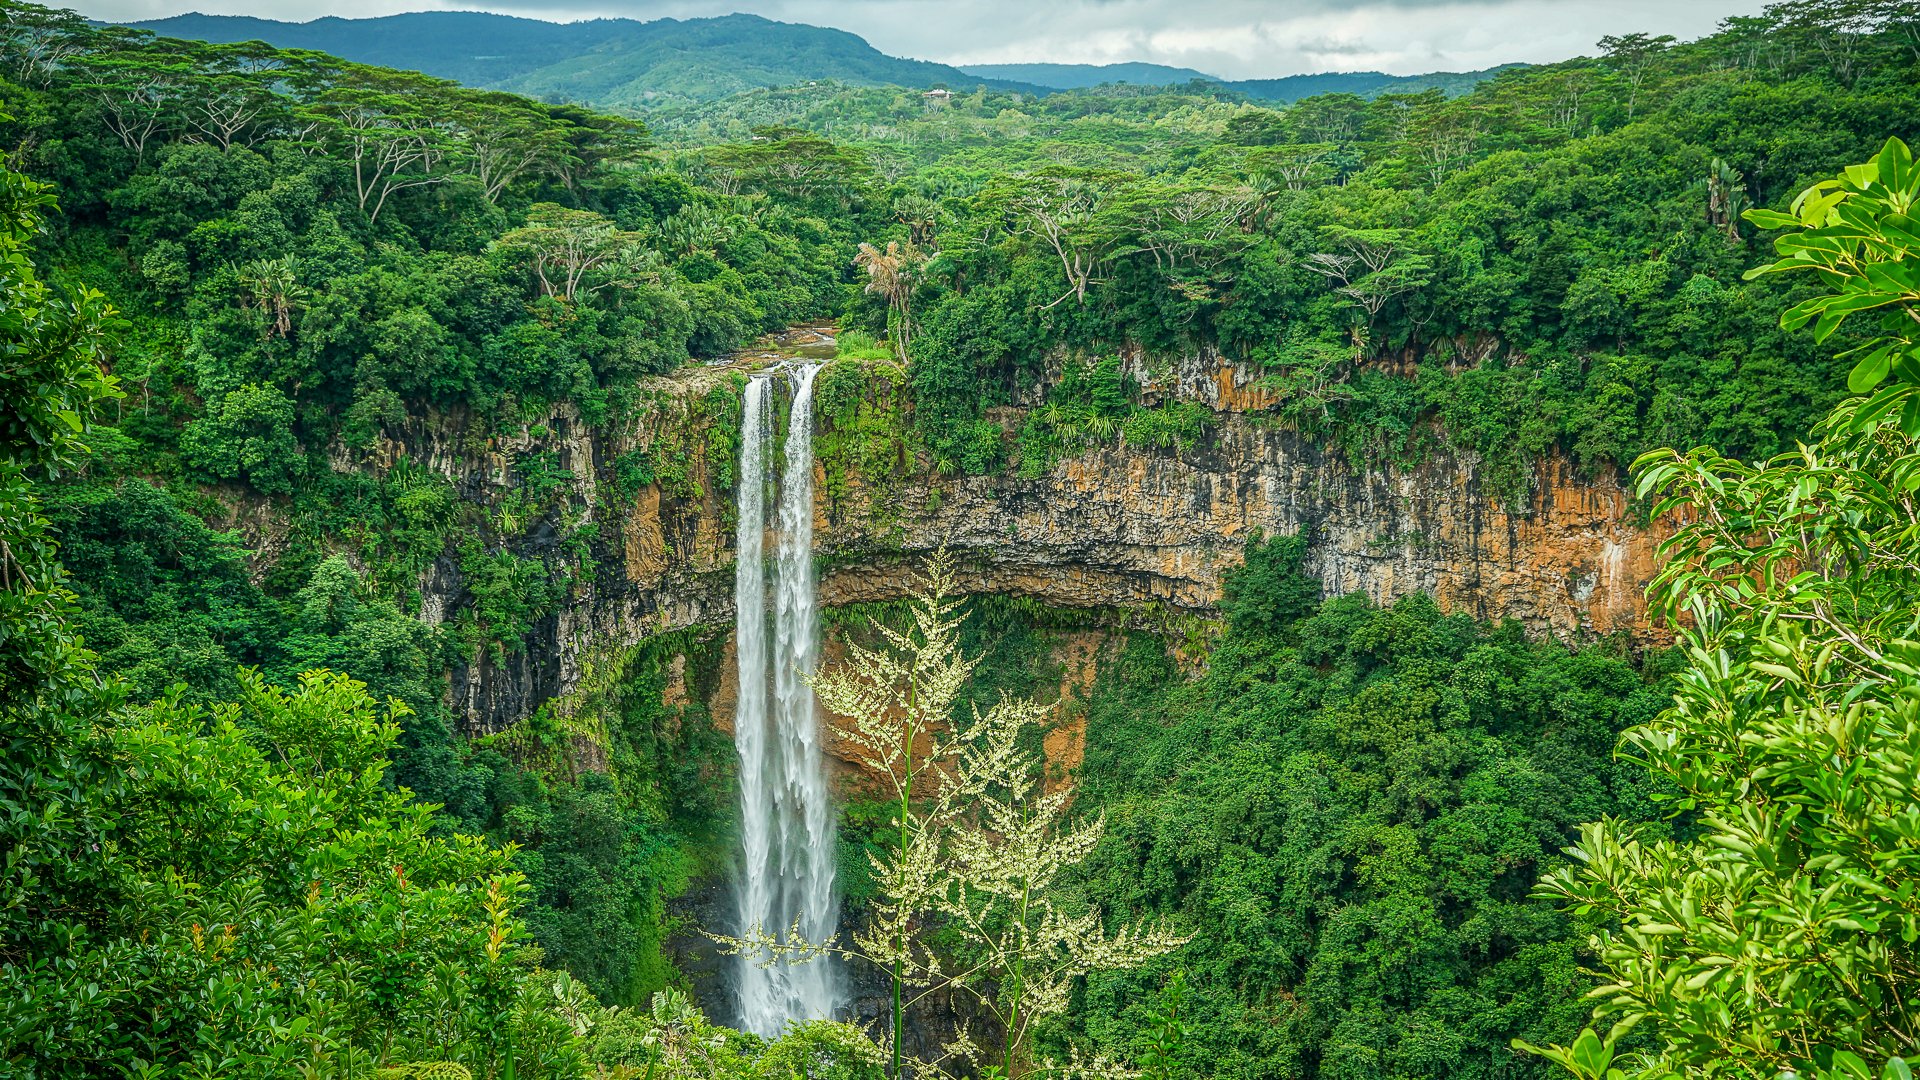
<point>920,215</point>
<point>273,288</point>
<point>894,273</point>
<point>1726,198</point>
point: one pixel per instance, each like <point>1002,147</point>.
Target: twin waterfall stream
<point>786,822</point>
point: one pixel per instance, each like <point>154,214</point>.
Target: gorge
<point>1143,533</point>
<point>1366,628</point>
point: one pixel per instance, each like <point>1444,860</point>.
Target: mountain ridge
<point>631,63</point>
<point>603,62</point>
<point>1283,89</point>
<point>1367,84</point>
<point>1085,76</point>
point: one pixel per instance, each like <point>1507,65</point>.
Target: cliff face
<point>1145,531</point>
<point>1124,527</point>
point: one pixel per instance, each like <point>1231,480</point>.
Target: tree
<point>272,288</point>
<point>507,137</point>
<point>1726,197</point>
<point>1851,232</point>
<point>1328,118</point>
<point>36,42</point>
<point>231,889</point>
<point>1008,842</point>
<point>387,126</point>
<point>693,227</point>
<point>55,764</point>
<point>246,434</point>
<point>1838,29</point>
<point>1445,134</point>
<point>234,90</point>
<point>140,82</point>
<point>278,909</point>
<point>1903,18</point>
<point>921,216</point>
<point>1309,375</point>
<point>577,253</point>
<point>1193,232</point>
<point>596,142</point>
<point>1753,41</point>
<point>1562,102</point>
<point>1372,268</point>
<point>1632,55</point>
<point>1066,210</point>
<point>1300,165</point>
<point>52,382</point>
<point>793,163</point>
<point>894,274</point>
<point>1781,940</point>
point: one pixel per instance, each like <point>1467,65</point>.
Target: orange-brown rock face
<point>1127,526</point>
<point>1144,531</point>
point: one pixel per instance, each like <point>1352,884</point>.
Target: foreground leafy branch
<point>1780,940</point>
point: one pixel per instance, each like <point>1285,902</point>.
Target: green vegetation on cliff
<point>217,890</point>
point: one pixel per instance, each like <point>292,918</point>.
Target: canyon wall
<point>1145,534</point>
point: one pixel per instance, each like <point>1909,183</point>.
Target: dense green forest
<point>1349,809</point>
<point>246,834</point>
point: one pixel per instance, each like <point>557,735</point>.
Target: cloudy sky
<point>1236,39</point>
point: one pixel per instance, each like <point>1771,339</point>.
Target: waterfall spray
<point>786,822</point>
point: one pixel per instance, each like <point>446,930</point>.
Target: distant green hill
<point>606,62</point>
<point>625,63</point>
<point>1082,76</point>
<point>1367,84</point>
<point>470,47</point>
<point>709,58</point>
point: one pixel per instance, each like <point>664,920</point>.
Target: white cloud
<point>1238,39</point>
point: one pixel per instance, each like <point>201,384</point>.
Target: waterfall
<point>750,736</point>
<point>786,822</point>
